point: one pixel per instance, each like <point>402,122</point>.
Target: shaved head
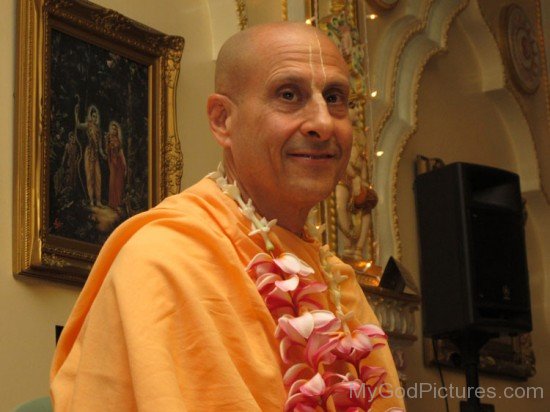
<point>280,112</point>
<point>238,56</point>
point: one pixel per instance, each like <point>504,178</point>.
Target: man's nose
<point>319,122</point>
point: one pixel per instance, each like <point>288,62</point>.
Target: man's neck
<point>289,218</point>
<point>289,215</point>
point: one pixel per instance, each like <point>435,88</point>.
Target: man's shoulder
<point>190,214</point>
<point>184,234</point>
<point>197,215</point>
<point>200,203</point>
<point>201,196</point>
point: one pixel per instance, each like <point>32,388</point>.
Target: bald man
<point>220,298</point>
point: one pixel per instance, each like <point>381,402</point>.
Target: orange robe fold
<point>170,321</point>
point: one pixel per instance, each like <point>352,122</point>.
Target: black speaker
<point>473,262</point>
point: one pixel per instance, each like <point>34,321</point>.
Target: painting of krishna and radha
<point>98,151</point>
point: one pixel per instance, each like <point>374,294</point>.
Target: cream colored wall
<point>534,106</point>
<point>29,309</point>
<point>263,11</point>
<point>458,122</point>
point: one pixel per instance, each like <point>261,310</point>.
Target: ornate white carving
<point>410,42</point>
<point>521,49</point>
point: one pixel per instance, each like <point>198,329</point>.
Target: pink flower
<point>284,284</point>
<point>312,339</point>
<point>288,285</point>
<point>289,263</point>
<point>306,395</point>
<point>261,263</point>
<point>319,349</point>
<point>312,333</point>
<point>352,394</point>
<point>347,393</point>
<point>358,344</point>
<point>286,263</point>
<point>296,372</point>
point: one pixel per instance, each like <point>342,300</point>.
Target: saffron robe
<point>169,320</point>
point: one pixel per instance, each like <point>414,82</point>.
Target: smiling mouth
<point>313,156</point>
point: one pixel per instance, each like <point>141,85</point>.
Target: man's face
<point>291,134</point>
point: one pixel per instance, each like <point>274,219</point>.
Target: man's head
<point>280,113</point>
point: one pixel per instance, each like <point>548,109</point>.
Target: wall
<point>30,308</point>
<point>457,121</point>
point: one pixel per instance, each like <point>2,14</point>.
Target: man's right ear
<point>220,109</point>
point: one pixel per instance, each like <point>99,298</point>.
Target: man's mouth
<point>313,156</point>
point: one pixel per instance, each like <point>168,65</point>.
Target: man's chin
<point>311,192</point>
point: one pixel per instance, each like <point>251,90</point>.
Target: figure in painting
<point>92,151</point>
<point>71,160</point>
<point>117,164</point>
<point>65,178</point>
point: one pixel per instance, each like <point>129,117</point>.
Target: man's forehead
<point>309,44</point>
<point>310,38</point>
<point>289,58</point>
<point>290,75</point>
<point>303,46</point>
<point>260,51</point>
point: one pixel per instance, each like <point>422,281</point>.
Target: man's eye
<point>288,95</point>
<point>336,98</point>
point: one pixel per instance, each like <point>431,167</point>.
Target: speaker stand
<point>469,344</point>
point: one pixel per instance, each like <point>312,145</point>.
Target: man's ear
<point>220,109</point>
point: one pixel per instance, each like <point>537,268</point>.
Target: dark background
<point>118,87</point>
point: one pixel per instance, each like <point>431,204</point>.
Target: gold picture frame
<point>95,135</point>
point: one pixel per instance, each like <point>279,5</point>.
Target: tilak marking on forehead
<point>311,66</point>
<point>320,57</point>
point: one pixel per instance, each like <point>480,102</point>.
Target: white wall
<point>30,308</point>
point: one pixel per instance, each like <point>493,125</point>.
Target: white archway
<point>402,122</point>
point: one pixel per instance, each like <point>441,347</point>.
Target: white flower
<point>232,191</point>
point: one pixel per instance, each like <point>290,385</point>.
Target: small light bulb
<point>372,16</point>
<point>374,93</point>
<point>379,153</point>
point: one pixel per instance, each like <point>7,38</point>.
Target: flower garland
<point>324,356</point>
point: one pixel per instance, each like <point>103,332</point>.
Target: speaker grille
<point>473,264</point>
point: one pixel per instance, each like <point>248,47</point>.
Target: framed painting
<point>96,139</point>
